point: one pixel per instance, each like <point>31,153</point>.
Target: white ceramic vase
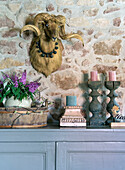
<point>11,102</point>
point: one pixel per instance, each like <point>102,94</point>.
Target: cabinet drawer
<point>90,155</point>
<point>27,156</point>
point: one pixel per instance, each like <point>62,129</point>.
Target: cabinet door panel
<point>90,156</point>
<point>27,156</point>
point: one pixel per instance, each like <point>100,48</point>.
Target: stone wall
<point>101,23</point>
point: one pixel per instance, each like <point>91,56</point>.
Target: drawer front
<point>90,156</point>
<point>27,156</point>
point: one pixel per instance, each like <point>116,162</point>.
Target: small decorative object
<point>112,86</point>
<point>71,101</point>
<point>95,106</point>
<point>112,75</point>
<point>94,76</point>
<point>120,117</point>
<point>72,115</point>
<point>55,112</point>
<point>15,90</point>
<point>46,47</point>
<point>119,120</point>
<point>115,110</point>
<point>116,116</point>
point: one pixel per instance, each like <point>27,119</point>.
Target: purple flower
<point>5,76</point>
<point>1,86</point>
<point>23,78</point>
<point>1,83</point>
<point>33,86</point>
<point>14,78</point>
<point>22,90</point>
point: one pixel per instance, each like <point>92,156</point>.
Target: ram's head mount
<point>46,47</point>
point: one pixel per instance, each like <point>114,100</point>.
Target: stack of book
<point>118,125</point>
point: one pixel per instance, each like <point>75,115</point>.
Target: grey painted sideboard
<point>54,148</point>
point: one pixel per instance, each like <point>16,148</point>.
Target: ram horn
<point>31,28</point>
<point>62,20</point>
<point>77,36</point>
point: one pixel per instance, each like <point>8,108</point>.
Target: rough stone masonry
<point>101,23</point>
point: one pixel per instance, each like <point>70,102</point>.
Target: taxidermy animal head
<point>46,47</point>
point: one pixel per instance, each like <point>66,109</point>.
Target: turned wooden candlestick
<point>95,106</point>
<point>112,86</point>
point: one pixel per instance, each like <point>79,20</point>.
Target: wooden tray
<point>23,117</point>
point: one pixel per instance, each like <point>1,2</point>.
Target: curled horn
<point>32,28</point>
<point>39,18</point>
<point>77,36</point>
<point>62,20</point>
<point>63,35</point>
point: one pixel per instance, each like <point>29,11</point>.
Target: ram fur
<point>46,47</point>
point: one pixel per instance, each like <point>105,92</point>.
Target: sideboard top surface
<point>56,133</point>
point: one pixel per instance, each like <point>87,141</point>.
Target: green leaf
<point>13,89</point>
<point>17,91</point>
<point>10,95</point>
<point>7,92</point>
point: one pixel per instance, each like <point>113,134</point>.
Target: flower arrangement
<point>17,87</point>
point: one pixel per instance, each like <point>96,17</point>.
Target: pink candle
<point>94,76</point>
<point>112,75</point>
